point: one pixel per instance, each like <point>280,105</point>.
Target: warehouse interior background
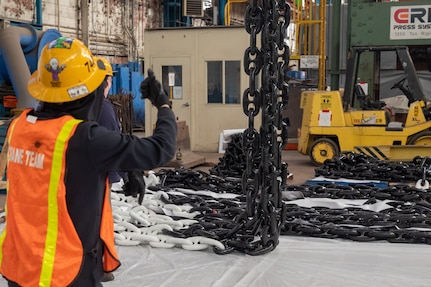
<point>196,48</point>
<point>177,34</point>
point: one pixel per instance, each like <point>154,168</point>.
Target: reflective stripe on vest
<point>52,230</point>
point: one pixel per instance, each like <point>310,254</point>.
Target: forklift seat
<point>365,100</point>
<point>366,103</point>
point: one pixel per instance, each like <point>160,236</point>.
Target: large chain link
<point>261,181</point>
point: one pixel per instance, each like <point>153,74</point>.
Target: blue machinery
<point>20,47</point>
<point>127,79</point>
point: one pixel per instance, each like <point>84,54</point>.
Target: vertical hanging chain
<point>259,226</point>
<point>251,104</point>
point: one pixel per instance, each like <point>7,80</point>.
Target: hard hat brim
<point>64,94</point>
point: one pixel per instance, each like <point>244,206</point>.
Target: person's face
<point>108,85</point>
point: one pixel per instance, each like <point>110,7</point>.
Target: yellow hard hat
<point>108,66</point>
<point>66,71</point>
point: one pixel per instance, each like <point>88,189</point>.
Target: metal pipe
<point>39,12</point>
<point>221,7</point>
<point>57,11</point>
<point>126,27</point>
<point>322,45</point>
<point>13,42</point>
<point>84,21</point>
<point>335,45</point>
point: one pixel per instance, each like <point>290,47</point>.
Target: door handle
<point>186,104</point>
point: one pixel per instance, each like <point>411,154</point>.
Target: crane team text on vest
<point>26,157</point>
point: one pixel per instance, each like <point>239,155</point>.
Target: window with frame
<point>223,82</point>
<point>172,81</point>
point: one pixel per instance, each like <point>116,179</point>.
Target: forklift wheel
<point>323,149</point>
<point>422,138</point>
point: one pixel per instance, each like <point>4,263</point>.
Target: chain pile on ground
<point>361,166</point>
<point>195,211</point>
<point>400,213</point>
<point>233,162</point>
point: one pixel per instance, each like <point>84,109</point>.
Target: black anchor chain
<point>405,219</point>
<point>197,180</point>
<point>361,166</point>
<point>259,225</point>
<point>234,161</point>
<point>256,227</point>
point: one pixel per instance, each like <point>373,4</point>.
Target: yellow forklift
<point>354,120</point>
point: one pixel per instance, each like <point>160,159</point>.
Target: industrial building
<point>304,134</point>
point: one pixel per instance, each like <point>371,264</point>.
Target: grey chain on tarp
<point>259,226</point>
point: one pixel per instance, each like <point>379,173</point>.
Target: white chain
<point>136,224</point>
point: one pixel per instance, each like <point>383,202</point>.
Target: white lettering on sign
<point>26,157</point>
<point>410,22</point>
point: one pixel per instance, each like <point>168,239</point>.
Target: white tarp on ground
<point>296,262</point>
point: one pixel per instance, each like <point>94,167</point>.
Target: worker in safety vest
<point>59,225</point>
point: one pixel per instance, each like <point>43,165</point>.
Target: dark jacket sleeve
<point>108,150</point>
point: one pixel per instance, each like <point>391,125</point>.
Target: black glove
<point>152,89</point>
<point>135,184</point>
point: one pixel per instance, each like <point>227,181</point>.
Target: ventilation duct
<point>193,8</point>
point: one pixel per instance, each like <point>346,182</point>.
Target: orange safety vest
<point>39,245</point>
